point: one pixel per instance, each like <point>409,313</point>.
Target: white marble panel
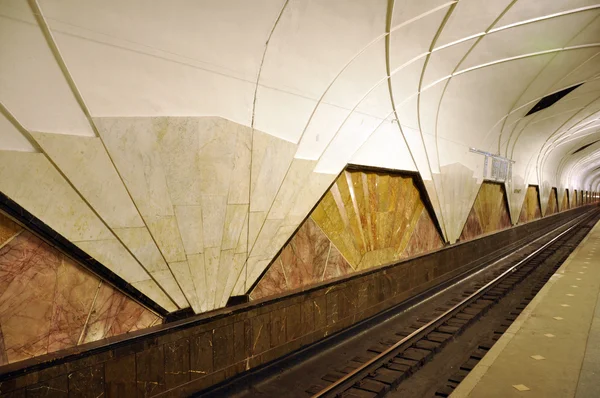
<point>198,273</point>
<point>181,271</point>
<point>178,140</point>
<point>216,153</point>
<point>309,195</point>
<point>239,186</point>
<point>214,209</point>
<point>132,144</point>
<point>295,179</point>
<point>211,263</point>
<point>141,244</point>
<point>32,181</point>
<point>114,256</point>
<point>255,268</point>
<point>256,220</point>
<point>167,282</point>
<point>150,289</point>
<point>236,272</point>
<point>189,219</point>
<point>168,239</point>
<point>265,236</point>
<point>226,268</point>
<point>84,161</point>
<point>271,158</point>
<point>11,139</point>
<point>235,218</point>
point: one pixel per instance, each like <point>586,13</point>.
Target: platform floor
<point>553,347</point>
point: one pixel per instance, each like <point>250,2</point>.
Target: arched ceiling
<point>401,84</point>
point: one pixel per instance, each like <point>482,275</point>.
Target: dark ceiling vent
<point>585,146</point>
<point>549,100</point>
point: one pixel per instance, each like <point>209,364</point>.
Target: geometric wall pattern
<point>489,212</point>
<point>48,302</point>
<point>531,209</point>
<point>365,220</point>
<point>188,210</point>
<point>552,207</point>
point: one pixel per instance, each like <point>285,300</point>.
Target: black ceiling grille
<point>549,100</point>
<point>585,146</point>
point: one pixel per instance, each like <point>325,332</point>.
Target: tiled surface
<point>489,212</point>
<point>560,325</point>
<point>49,303</point>
<point>531,206</point>
<point>365,220</point>
<point>180,358</point>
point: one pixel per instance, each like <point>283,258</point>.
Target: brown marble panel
<point>307,318</point>
<point>87,382</point>
<point>223,347</point>
<point>278,327</point>
<point>425,237</point>
<point>293,322</point>
<point>201,355</point>
<point>150,371</point>
<point>261,333</point>
<point>114,313</point>
<point>177,363</point>
<point>54,388</point>
<point>120,377</point>
<point>489,212</point>
<point>531,209</point>
<point>242,340</point>
<point>552,207</point>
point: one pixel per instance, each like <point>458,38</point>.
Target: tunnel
<point>227,197</point>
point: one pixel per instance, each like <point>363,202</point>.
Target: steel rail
<point>380,358</point>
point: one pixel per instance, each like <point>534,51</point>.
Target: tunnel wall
<point>49,302</point>
<point>531,209</point>
<point>185,356</point>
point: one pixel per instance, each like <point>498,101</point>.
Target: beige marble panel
<point>167,282</point>
<point>239,186</point>
<point>256,220</point>
<point>132,144</point>
<point>151,289</point>
<point>32,181</point>
<point>181,270</point>
<point>255,268</point>
<point>177,139</point>
<point>242,246</point>
<point>265,236</point>
<point>216,152</point>
<point>112,254</point>
<point>459,190</point>
<point>211,263</point>
<point>214,209</point>
<point>84,161</point>
<point>235,218</point>
<point>198,273</point>
<point>271,158</point>
<point>189,219</point>
<point>309,195</point>
<point>166,233</point>
<point>140,242</point>
<point>236,272</point>
<point>294,181</point>
<point>226,267</point>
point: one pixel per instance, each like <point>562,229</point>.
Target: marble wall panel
<point>47,300</point>
<point>8,230</point>
<point>489,213</point>
<point>575,200</point>
<point>531,209</point>
<point>364,220</point>
<point>552,207</point>
<point>565,201</point>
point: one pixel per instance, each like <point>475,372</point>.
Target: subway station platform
<point>553,348</point>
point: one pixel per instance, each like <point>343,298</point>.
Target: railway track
<point>389,364</point>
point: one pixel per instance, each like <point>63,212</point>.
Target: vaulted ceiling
<point>127,123</point>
